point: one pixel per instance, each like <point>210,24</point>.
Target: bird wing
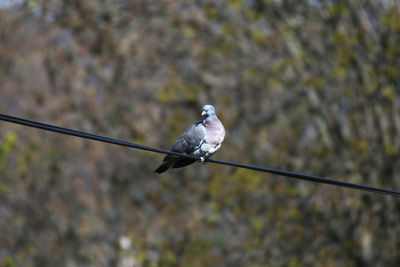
<point>188,142</point>
<point>191,139</point>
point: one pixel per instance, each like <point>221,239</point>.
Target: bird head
<point>208,111</point>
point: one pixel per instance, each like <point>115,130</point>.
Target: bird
<point>201,139</point>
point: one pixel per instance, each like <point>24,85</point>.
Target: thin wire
<point>295,175</point>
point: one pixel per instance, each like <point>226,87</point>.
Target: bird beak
<point>203,113</point>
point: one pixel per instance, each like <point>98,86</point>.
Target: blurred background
<point>301,85</point>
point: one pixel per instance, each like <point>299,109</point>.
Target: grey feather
<point>201,139</point>
<point>191,139</point>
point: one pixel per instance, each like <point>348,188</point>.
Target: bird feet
<point>203,159</point>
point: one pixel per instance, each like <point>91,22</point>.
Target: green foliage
<point>236,4</point>
<point>338,9</point>
<point>6,147</point>
<point>7,262</point>
<point>307,86</point>
<point>392,19</point>
<point>259,37</point>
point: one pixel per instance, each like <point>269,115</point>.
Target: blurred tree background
<point>302,85</point>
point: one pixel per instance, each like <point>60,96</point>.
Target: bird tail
<point>163,167</point>
<point>183,162</point>
<point>174,162</point>
<point>168,162</point>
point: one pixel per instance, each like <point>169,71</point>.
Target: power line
<point>295,175</point>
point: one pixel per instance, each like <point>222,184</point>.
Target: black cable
<point>295,175</point>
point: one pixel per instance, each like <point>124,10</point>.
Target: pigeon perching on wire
<point>201,139</point>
